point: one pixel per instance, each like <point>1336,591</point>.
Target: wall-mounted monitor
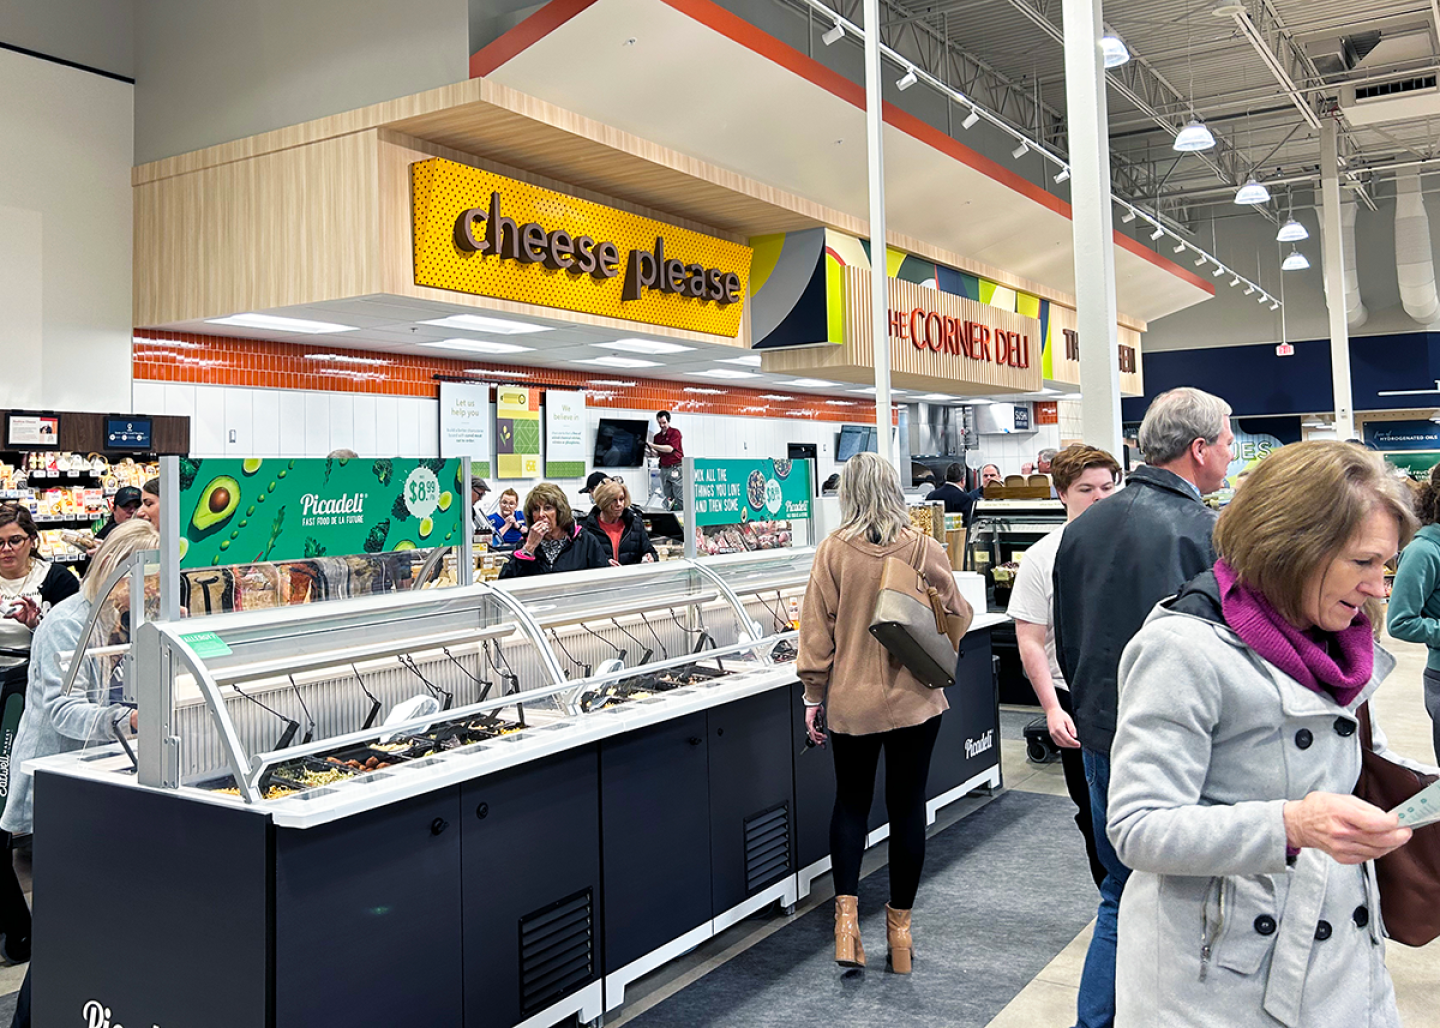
<point>620,443</point>
<point>124,432</point>
<point>856,439</point>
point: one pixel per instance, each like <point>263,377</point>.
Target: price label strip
<point>1421,809</point>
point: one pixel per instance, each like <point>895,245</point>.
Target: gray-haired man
<point>1126,554</point>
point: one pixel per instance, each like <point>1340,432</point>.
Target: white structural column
<point>1094,231</point>
<point>1335,278</point>
<point>879,278</point>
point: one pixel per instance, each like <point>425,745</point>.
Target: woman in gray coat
<point>1253,900</point>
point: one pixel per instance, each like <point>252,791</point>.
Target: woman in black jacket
<point>554,542</point>
<point>618,527</point>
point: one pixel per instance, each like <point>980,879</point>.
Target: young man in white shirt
<point>1083,476</point>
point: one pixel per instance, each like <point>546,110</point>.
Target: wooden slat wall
<point>84,432</point>
<point>912,367</point>
<point>291,227</point>
<point>1065,370</point>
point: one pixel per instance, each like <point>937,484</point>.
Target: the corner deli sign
<point>481,233</point>
<point>961,337</point>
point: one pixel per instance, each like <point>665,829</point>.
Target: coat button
<point>1344,727</point>
<point>1265,924</point>
<point>1361,917</point>
<point>1322,931</point>
<point>1303,738</point>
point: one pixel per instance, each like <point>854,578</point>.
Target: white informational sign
<point>564,434</point>
<point>465,418</point>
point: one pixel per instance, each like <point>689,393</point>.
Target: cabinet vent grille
<point>557,951</point>
<point>1388,89</point>
<point>767,847</point>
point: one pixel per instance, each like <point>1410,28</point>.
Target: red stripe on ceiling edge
<point>523,36</point>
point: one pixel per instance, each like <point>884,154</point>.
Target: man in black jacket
<point>1115,562</point>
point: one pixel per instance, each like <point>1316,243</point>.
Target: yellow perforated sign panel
<point>456,251</point>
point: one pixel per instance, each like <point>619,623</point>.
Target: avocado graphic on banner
<point>277,509</point>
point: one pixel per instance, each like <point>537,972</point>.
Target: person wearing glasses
<point>29,587</point>
<point>508,522</point>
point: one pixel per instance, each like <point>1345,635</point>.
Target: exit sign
<point>1285,350</point>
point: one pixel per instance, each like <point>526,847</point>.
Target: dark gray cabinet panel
<point>972,720</point>
<point>655,837</point>
<point>371,901</point>
<point>530,858</point>
<point>751,824</point>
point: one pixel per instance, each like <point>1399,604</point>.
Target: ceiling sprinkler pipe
<point>1414,260</point>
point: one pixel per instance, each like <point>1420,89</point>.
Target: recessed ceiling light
<point>870,391</point>
<point>617,382</point>
<point>724,373</point>
<point>704,391</point>
<point>978,399</point>
<point>478,323</point>
<point>752,361</point>
<point>808,383</point>
<point>491,373</point>
<point>938,397</point>
<point>479,346</point>
<point>620,362</point>
<point>275,323</point>
<point>340,358</point>
<point>775,396</point>
<point>650,346</point>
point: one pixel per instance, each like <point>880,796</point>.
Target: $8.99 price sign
<point>422,492</point>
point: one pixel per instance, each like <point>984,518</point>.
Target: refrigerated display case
<point>489,804</point>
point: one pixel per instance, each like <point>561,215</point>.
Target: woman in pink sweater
<point>871,703</point>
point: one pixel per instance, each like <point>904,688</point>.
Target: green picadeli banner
<point>276,509</point>
<point>732,492</point>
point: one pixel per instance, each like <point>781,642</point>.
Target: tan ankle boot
<point>897,936</point>
<point>848,951</point>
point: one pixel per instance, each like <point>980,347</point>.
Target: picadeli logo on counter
<point>975,747</point>
<point>97,1015</point>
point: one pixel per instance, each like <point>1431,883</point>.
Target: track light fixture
<point>1219,270</point>
<point>1249,289</point>
<point>1021,150</point>
<point>1157,233</point>
<point>830,36</point>
<point>1062,175</point>
<point>909,79</point>
<point>1179,247</point>
<point>1234,281</point>
<point>1199,260</point>
<point>1129,216</point>
<point>970,119</point>
<point>1275,306</point>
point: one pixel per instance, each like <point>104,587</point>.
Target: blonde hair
<point>549,493</point>
<point>132,537</point>
<point>606,491</point>
<point>1299,508</point>
<point>871,504</point>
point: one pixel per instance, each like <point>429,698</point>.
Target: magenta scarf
<point>1293,651</point>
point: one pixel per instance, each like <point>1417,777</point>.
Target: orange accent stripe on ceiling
<point>736,29</point>
<point>255,364</point>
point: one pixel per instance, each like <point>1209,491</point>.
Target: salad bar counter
<point>484,805</point>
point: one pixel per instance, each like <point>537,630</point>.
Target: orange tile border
<point>226,361</point>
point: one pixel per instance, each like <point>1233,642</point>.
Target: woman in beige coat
<point>870,701</point>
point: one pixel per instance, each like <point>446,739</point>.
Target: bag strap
<point>1367,734</point>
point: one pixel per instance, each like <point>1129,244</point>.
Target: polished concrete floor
<point>1048,1001</point>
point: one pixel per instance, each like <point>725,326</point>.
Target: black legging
<point>907,765</point>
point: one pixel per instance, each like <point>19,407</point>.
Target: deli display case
<point>489,804</point>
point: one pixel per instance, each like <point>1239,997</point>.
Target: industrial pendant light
<point>1295,261</point>
<point>1193,137</point>
<point>1114,48</point>
<point>1292,232</point>
<point>1252,192</point>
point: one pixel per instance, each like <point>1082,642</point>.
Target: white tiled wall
<point>1011,451</point>
<point>299,423</point>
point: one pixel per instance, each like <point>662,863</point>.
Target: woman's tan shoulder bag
<point>911,621</point>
